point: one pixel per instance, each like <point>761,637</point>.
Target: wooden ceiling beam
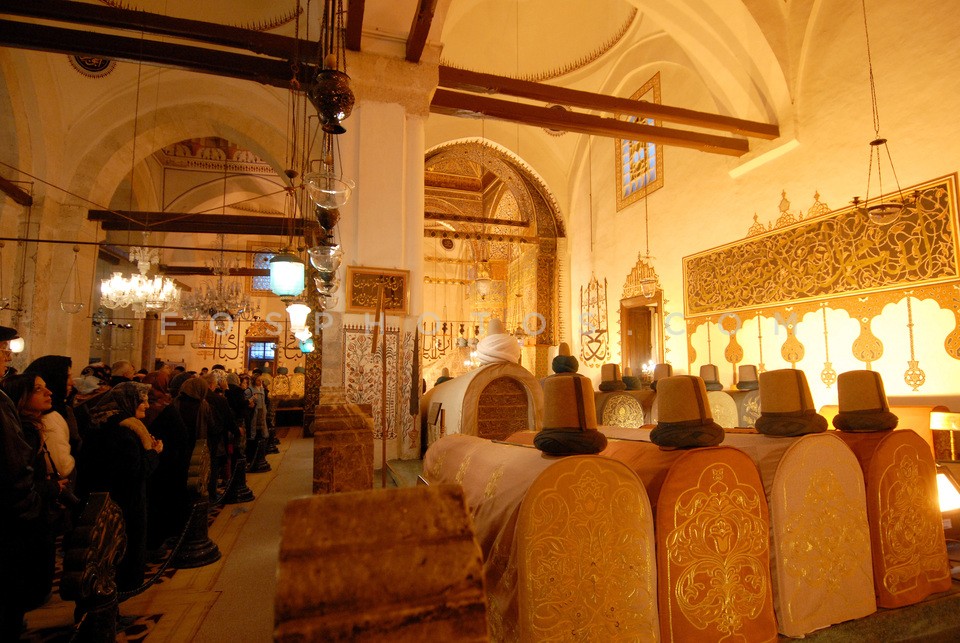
<point>273,64</point>
<point>460,104</point>
<point>210,61</point>
<point>476,82</point>
<point>354,29</point>
<point>15,192</point>
<point>196,223</point>
<point>187,271</point>
<point>420,29</point>
<point>141,21</point>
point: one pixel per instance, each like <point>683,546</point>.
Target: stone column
<point>382,225</point>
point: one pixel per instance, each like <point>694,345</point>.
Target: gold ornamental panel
<point>622,410</point>
<point>841,253</point>
<point>824,522</point>
<point>587,564</point>
<point>911,538</point>
<point>718,552</point>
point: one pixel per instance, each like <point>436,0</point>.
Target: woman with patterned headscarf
<point>118,456</point>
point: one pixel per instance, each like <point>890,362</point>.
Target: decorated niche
<point>638,165</point>
<point>594,331</point>
<point>641,314</point>
<point>833,261</point>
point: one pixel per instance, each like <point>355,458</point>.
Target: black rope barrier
<point>229,484</point>
<point>122,596</point>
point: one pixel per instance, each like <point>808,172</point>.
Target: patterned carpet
<point>129,628</point>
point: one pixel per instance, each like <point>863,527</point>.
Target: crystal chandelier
<point>221,300</point>
<point>139,291</point>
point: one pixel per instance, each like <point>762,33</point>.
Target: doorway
<point>640,340</point>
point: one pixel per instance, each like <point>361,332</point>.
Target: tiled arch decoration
<point>857,267</point>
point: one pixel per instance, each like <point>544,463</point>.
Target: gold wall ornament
<point>828,375</point>
<point>594,331</point>
<point>733,352</point>
<point>757,227</point>
<point>786,217</point>
<point>837,254</point>
<point>867,347</point>
<point>792,349</point>
<point>914,375</point>
<point>761,367</point>
<point>641,273</point>
<point>949,298</point>
<point>709,346</point>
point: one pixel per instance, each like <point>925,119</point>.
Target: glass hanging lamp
<point>287,273</point>
<point>72,303</point>
<point>298,312</point>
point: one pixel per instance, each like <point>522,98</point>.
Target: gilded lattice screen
<point>839,254</point>
<point>836,261</point>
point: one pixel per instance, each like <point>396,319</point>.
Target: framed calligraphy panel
<point>363,284</point>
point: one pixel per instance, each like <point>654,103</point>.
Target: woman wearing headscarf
<point>159,381</point>
<point>168,503</point>
<point>193,409</point>
<point>59,423</point>
<point>118,457</point>
<point>29,538</point>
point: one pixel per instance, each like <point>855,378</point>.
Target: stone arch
<point>507,181</point>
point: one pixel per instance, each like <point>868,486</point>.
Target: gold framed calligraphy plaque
<point>363,284</point>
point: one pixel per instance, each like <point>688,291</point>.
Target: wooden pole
<point>383,389</point>
<point>377,331</point>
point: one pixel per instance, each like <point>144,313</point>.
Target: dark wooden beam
<point>196,223</point>
<point>354,28</point>
<point>15,192</point>
<point>420,29</point>
<point>463,218</point>
<point>267,71</point>
<point>460,104</point>
<point>276,71</point>
<point>476,82</point>
<point>186,271</point>
<point>141,21</point>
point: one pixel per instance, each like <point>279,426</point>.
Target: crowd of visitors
<point>114,429</point>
